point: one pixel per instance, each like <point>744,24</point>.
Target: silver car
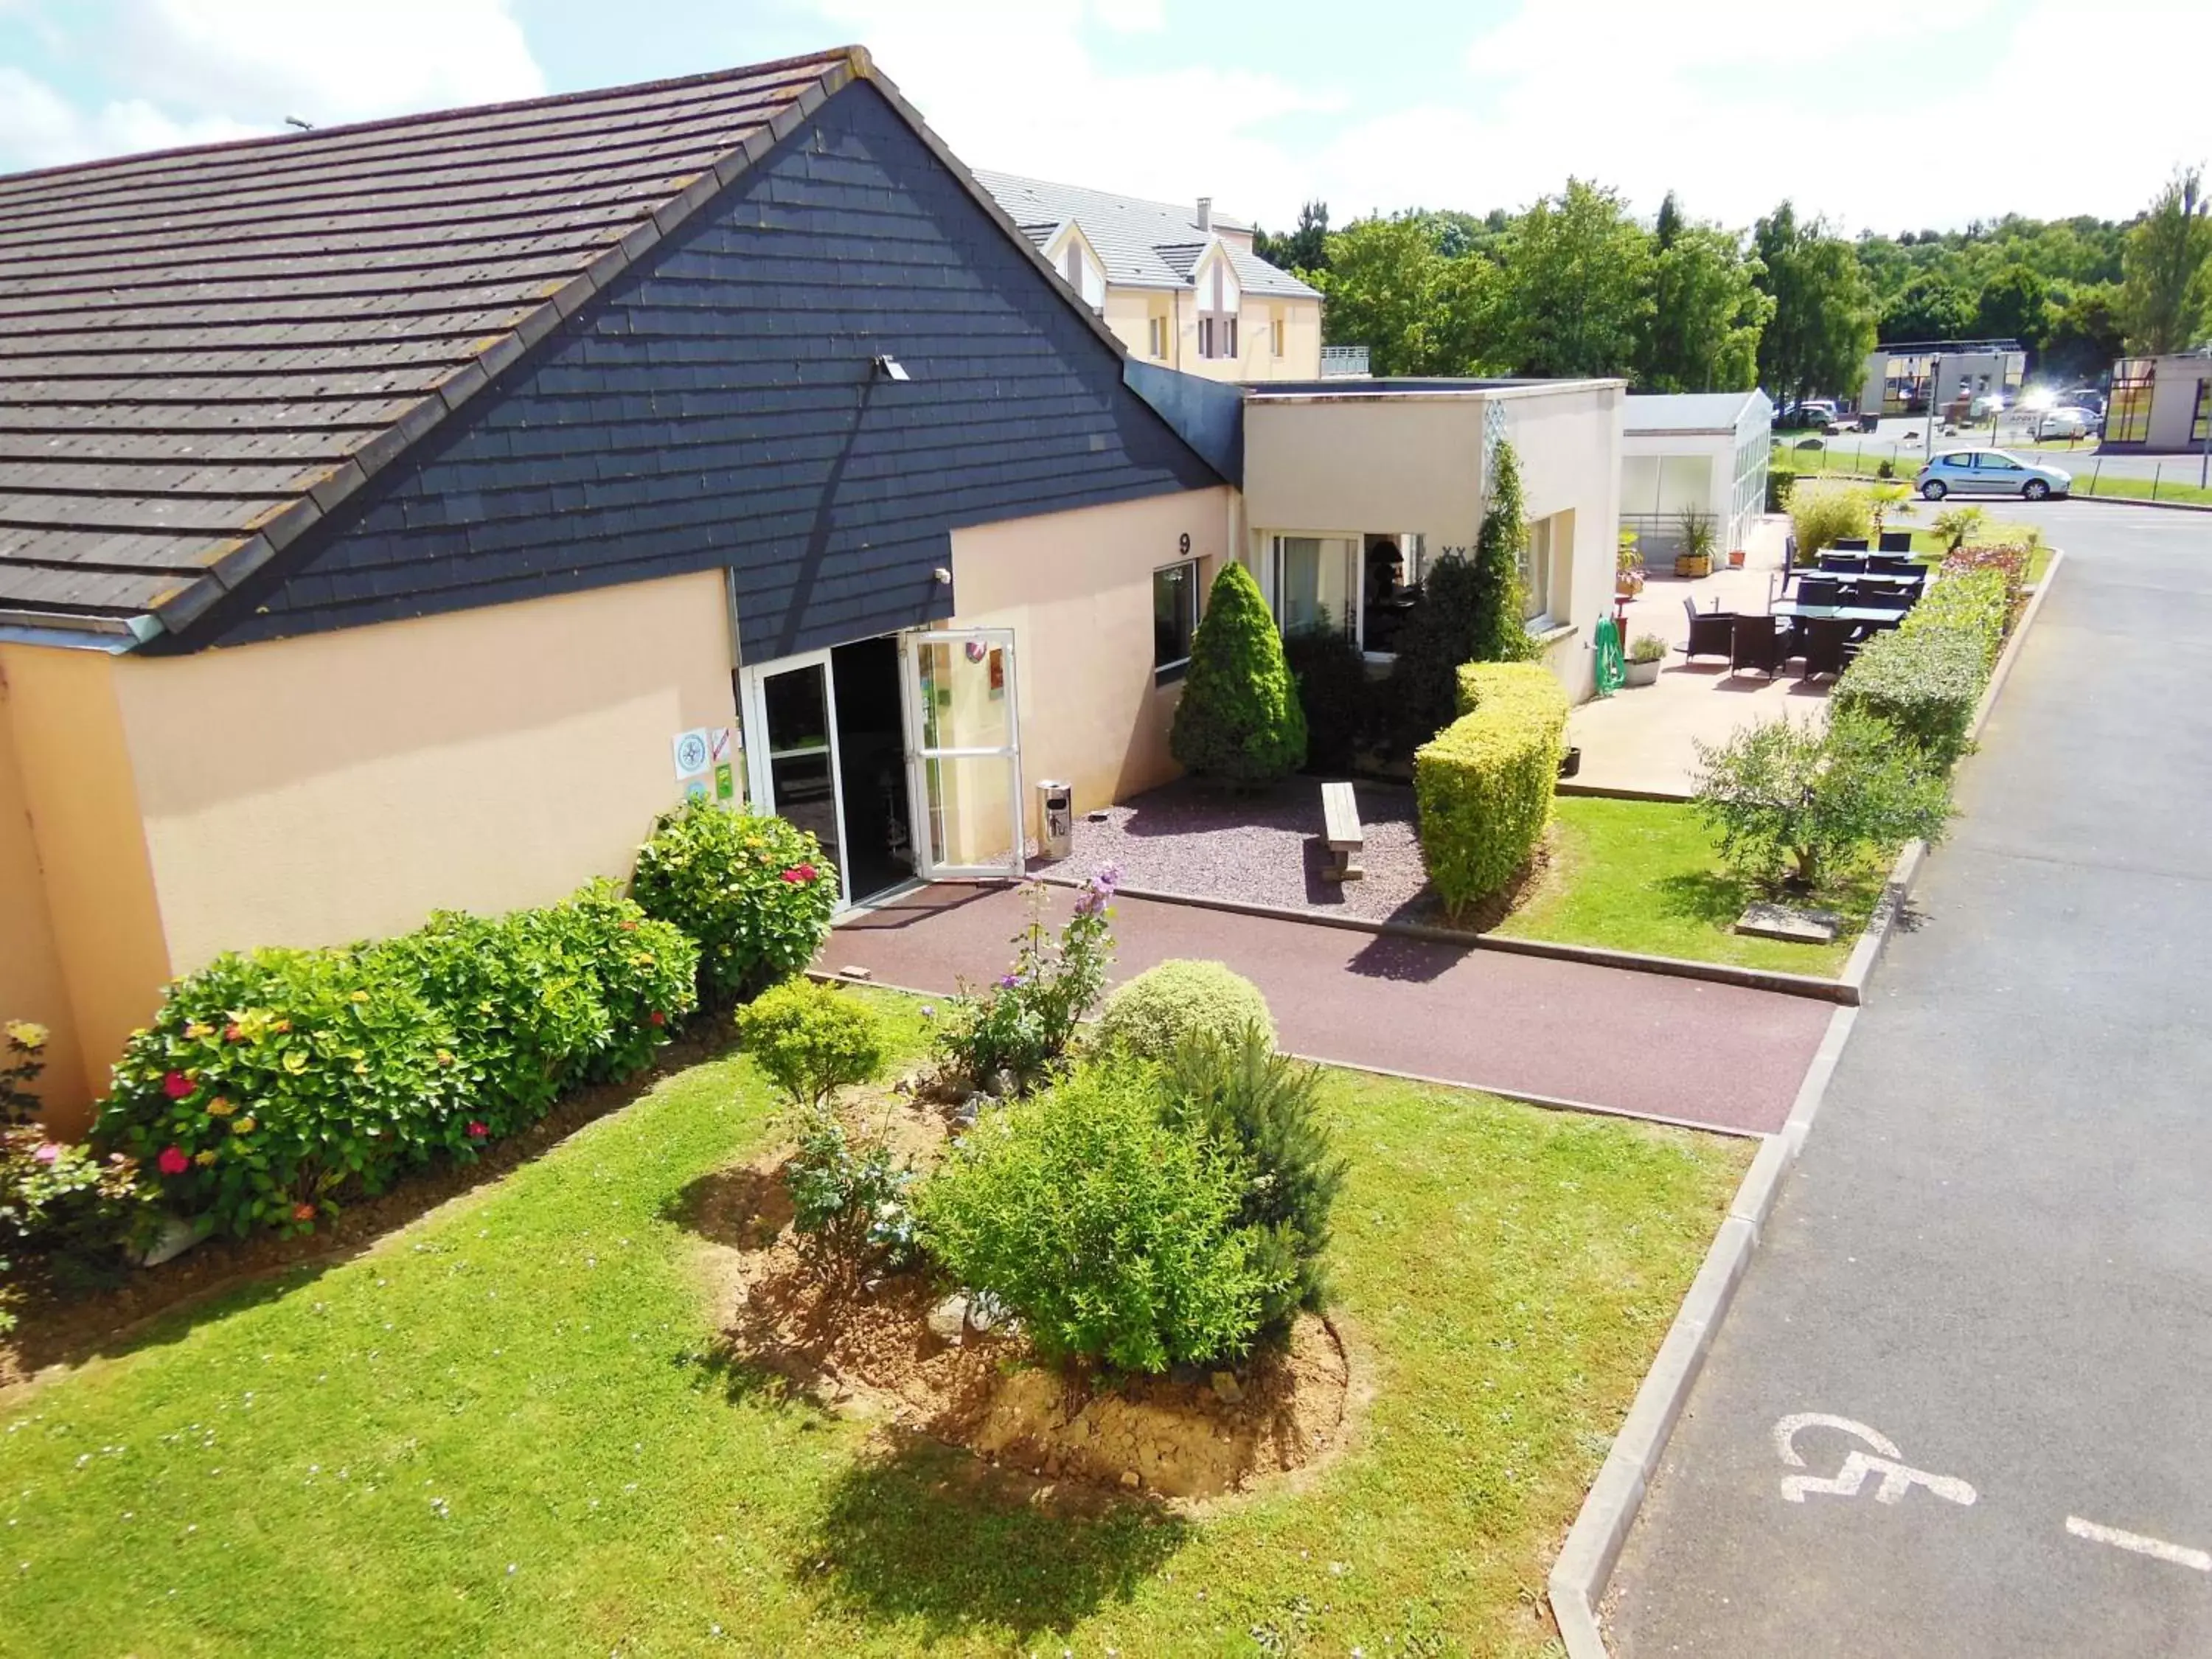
<point>1991,472</point>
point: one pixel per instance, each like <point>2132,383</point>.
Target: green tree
<point>1928,308</point>
<point>1388,288</point>
<point>1305,249</point>
<point>2015,305</point>
<point>1501,596</point>
<point>2166,289</point>
<point>2085,334</point>
<point>1239,719</point>
<point>1707,312</point>
<point>1823,324</point>
<point>1575,296</point>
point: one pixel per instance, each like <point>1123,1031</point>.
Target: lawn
<point>2176,482</point>
<point>499,1430</point>
<point>1634,875</point>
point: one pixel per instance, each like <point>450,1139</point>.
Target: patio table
<point>1790,610</point>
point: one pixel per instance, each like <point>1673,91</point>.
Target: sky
<point>1887,115</point>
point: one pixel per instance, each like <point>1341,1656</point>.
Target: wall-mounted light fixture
<point>941,576</point>
<point>891,369</point>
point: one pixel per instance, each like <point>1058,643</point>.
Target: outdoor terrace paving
<point>1643,738</point>
<point>1646,1044</point>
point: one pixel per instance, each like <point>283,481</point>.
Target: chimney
<point>1206,213</point>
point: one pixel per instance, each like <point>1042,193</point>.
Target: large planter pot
<point>1627,587</point>
<point>1735,558</point>
<point>1693,564</point>
<point>1642,673</point>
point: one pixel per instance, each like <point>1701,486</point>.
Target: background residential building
<point>1180,286</point>
<point>1898,375</point>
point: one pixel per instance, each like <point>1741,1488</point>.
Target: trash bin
<point>1056,819</point>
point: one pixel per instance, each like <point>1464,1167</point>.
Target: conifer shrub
<point>1239,721</point>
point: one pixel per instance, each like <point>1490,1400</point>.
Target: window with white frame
<point>1156,336</point>
<point>1218,299</point>
<point>1275,333</point>
<point>1536,571</point>
<point>1315,584</point>
<point>1175,617</point>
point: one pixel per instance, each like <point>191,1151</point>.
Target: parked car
<point>1991,472</point>
<point>2084,398</point>
<point>1987,403</point>
<point>2066,421</point>
<point>1819,413</point>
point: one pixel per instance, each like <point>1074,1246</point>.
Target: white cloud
<point>188,71</point>
<point>1014,86</point>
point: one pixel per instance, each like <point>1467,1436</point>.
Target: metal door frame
<point>927,864</point>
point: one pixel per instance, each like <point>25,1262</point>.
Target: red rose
<point>799,874</point>
<point>477,1131</point>
<point>303,1212</point>
<point>232,1034</point>
<point>656,1017</point>
<point>177,1085</point>
<point>173,1160</point>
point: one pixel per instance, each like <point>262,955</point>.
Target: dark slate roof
<point>204,351</point>
<point>1144,244</point>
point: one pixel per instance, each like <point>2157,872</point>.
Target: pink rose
<point>173,1160</point>
<point>177,1085</point>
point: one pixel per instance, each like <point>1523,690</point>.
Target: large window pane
<point>1685,481</point>
<point>1312,583</point>
<point>1175,613</point>
<point>2127,418</point>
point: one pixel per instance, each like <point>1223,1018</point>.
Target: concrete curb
<point>1607,792</point>
<point>1580,1576</point>
<point>1584,1568</point>
<point>1717,973</point>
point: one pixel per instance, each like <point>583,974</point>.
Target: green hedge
<point>754,890</point>
<point>1483,785</point>
<point>274,1085</point>
<point>1927,678</point>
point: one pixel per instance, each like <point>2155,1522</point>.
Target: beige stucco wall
<point>79,792</point>
<point>1129,312</point>
<point>1300,358</point>
<point>1077,590</point>
<point>2173,403</point>
<point>344,785</point>
<point>1407,463</point>
<point>31,985</point>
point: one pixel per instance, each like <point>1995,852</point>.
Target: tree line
<point>1574,284</point>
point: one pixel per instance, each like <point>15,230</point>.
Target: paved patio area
<point>1640,1044</point>
<point>1644,737</point>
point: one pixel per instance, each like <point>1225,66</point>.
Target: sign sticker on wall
<point>726,783</point>
<point>693,752</point>
<point>697,789</point>
<point>721,745</point>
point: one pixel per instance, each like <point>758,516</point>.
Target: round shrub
<point>1239,719</point>
<point>753,890</point>
<point>1150,1015</point>
<point>270,1083</point>
<point>811,1039</point>
<point>1112,1236</point>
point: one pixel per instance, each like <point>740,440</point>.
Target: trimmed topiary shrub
<point>1264,1110</point>
<point>1239,719</point>
<point>1483,785</point>
<point>1926,678</point>
<point>753,890</point>
<point>1335,694</point>
<point>1161,1007</point>
<point>1109,1233</point>
<point>811,1040</point>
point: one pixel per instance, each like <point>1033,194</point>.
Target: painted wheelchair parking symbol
<point>1897,1477</point>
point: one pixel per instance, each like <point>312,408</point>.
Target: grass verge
<point>1632,875</point>
<point>499,1431</point>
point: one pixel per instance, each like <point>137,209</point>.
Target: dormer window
<point>1218,299</point>
<point>1079,268</point>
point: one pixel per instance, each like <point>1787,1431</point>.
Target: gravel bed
<point>1266,849</point>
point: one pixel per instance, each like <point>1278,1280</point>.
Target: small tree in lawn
<point>1239,719</point>
<point>1793,803</point>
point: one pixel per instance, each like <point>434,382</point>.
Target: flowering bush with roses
<point>1017,1030</point>
<point>272,1087</point>
<point>754,890</point>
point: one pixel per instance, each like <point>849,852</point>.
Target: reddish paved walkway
<point>1634,1042</point>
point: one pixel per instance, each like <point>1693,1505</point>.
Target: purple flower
<point>929,1010</point>
<point>1109,877</point>
<point>1007,981</point>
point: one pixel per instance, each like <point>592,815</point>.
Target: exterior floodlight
<point>892,369</point>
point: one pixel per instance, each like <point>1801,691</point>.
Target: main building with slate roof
<point>381,506</point>
<point>1180,286</point>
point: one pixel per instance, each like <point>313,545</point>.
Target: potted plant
<point>1645,652</point>
<point>1735,558</point>
<point>1627,568</point>
<point>1699,539</point>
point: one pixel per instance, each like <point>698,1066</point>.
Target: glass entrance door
<point>791,722</point>
<point>967,750</point>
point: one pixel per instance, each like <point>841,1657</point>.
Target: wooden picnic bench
<point>1342,831</point>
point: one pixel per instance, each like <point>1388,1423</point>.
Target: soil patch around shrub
<point>862,1345</point>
